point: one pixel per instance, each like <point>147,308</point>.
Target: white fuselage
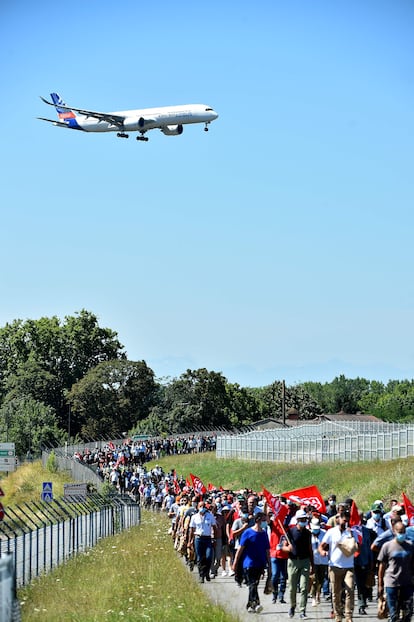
<point>150,118</point>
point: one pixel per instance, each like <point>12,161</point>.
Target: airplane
<point>169,119</point>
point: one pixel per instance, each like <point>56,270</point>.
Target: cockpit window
<point>210,109</point>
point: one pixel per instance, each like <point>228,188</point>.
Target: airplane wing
<point>59,123</point>
<point>101,116</point>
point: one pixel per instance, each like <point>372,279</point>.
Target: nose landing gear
<point>122,135</point>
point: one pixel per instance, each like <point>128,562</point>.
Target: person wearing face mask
<point>201,525</point>
<point>341,566</point>
<point>396,573</point>
<point>253,555</point>
<point>376,521</point>
<point>320,562</point>
<point>238,528</point>
<point>331,509</point>
<point>364,566</point>
<point>300,562</point>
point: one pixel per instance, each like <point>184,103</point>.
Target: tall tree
<point>111,398</point>
<point>29,424</point>
<point>52,355</point>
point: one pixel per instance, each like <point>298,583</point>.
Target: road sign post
<point>47,491</point>
<point>7,457</point>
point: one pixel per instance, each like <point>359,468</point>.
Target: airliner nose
<point>214,115</point>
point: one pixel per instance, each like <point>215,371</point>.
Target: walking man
<point>253,554</point>
<point>201,525</point>
<point>341,566</point>
<point>395,573</point>
<point>299,563</point>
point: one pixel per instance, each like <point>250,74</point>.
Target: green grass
<point>25,484</point>
<point>138,576</point>
<point>362,481</point>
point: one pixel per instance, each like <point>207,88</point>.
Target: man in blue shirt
<point>253,554</point>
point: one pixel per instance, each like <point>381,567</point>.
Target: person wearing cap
<point>320,562</point>
<point>395,574</point>
<point>376,522</point>
<point>253,555</point>
<point>396,510</point>
<point>341,566</point>
<point>299,563</point>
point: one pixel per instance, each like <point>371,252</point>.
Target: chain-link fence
<point>42,535</point>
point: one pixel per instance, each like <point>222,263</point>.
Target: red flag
<point>177,488</point>
<point>280,511</point>
<point>111,445</point>
<point>309,495</point>
<point>354,519</point>
<point>210,487</point>
<point>409,509</point>
<point>198,485</point>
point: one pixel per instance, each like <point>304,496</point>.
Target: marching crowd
<point>132,452</point>
<point>304,551</point>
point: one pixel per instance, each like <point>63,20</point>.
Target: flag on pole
<point>280,511</point>
<point>176,485</point>
<point>309,495</point>
<point>354,519</point>
<point>198,485</point>
<point>409,509</point>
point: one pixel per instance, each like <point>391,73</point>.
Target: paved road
<point>224,591</point>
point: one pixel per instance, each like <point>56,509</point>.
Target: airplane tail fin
<point>62,113</point>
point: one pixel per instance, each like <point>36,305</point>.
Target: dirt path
<point>224,591</point>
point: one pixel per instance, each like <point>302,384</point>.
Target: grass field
<point>138,576</point>
<point>362,481</point>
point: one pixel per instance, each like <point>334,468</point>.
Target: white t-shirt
<point>336,557</point>
<point>202,524</point>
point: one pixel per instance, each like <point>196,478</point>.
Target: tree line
<point>71,378</point>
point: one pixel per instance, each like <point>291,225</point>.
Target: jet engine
<point>133,124</point>
<point>172,130</point>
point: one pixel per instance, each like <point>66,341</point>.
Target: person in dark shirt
<point>395,574</point>
<point>299,563</point>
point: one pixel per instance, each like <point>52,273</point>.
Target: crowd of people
<point>123,465</point>
<point>304,554</point>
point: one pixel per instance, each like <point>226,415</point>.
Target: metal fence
<point>80,472</point>
<point>347,441</point>
<point>42,535</point>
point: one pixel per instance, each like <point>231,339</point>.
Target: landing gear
<point>143,138</point>
<point>206,128</point>
<point>122,135</point>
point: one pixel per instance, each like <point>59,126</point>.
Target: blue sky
<point>277,245</point>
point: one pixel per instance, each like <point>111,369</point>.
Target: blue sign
<point>47,491</point>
